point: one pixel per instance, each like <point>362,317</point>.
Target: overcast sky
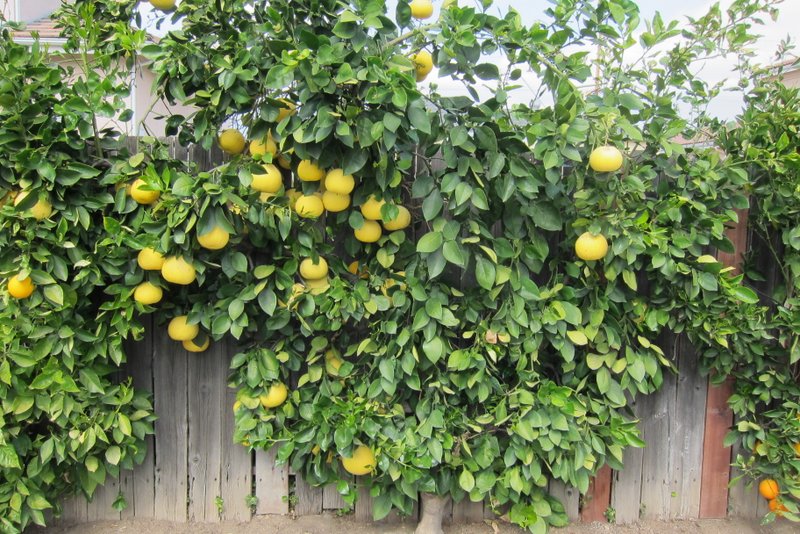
<point>727,105</point>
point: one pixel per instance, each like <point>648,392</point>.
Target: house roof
<point>45,27</point>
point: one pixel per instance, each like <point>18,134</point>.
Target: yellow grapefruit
<point>260,147</point>
<point>141,195</point>
<point>423,64</point>
<point>308,171</point>
<point>402,220</point>
<point>605,159</point>
<point>336,181</point>
<point>147,293</point>
<point>150,260</point>
<point>269,182</point>
<point>309,206</point>
<point>369,232</point>
<point>180,330</point>
<point>421,9</point>
<point>361,463</point>
<point>275,396</point>
<point>334,202</point>
<point>20,288</point>
<point>591,246</point>
<point>192,345</point>
<point>311,270</point>
<point>231,141</point>
<point>371,208</point>
<point>214,239</point>
<point>178,271</point>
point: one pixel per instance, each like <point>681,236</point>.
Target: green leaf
<point>8,457</point>
<point>577,337</point>
<point>466,480</point>
<point>484,272</point>
<point>745,294</point>
<point>419,116</point>
<point>547,217</point>
<point>430,242</point>
<point>113,455</point>
<point>434,349</point>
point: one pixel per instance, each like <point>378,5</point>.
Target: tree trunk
<point>432,514</point>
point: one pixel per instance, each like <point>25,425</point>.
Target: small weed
<point>611,515</point>
<point>219,502</point>
<point>252,502</point>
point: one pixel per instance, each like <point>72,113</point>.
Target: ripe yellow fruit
<point>334,202</point>
<point>369,232</point>
<point>269,182</point>
<point>361,463</point>
<point>605,159</point>
<point>20,288</point>
<point>41,210</point>
<point>147,293</point>
<point>309,206</point>
<point>190,345</point>
<point>308,171</point>
<point>316,287</point>
<point>275,396</point>
<point>797,448</point>
<point>231,141</point>
<point>769,489</point>
<point>260,147</point>
<point>150,260</point>
<point>332,362</point>
<point>178,271</point>
<point>163,5</point>
<point>402,220</point>
<point>371,208</point>
<point>421,9</point>
<point>141,195</point>
<point>314,271</point>
<point>591,246</point>
<point>336,181</point>
<point>287,109</point>
<point>423,64</point>
<point>215,239</point>
<point>180,330</point>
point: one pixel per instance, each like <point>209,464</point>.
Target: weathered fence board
<point>272,484</point>
<point>172,429</point>
<point>205,454</point>
<point>140,363</point>
<point>236,475</point>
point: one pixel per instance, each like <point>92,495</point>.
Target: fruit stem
<point>411,33</point>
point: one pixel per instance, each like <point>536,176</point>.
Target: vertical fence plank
<point>331,498</point>
<point>205,427</point>
<point>742,500</point>
<point>100,507</point>
<point>272,484</point>
<point>656,471</point>
<point>309,498</point>
<point>363,511</point>
<point>598,497</point>
<point>237,461</point>
<point>170,383</point>
<point>467,511</point>
<point>569,497</point>
<point>141,502</point>
<point>686,434</point>
<point>626,488</point>
<point>719,417</point>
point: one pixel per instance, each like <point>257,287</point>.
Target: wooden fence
<point>194,472</point>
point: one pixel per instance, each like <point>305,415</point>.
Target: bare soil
<point>329,524</point>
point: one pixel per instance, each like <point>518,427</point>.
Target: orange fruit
<point>769,489</point>
<point>775,505</point>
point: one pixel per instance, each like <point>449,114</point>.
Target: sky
<point>725,106</point>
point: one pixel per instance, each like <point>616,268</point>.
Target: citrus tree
<point>451,294</point>
<point>67,422</point>
<point>763,141</point>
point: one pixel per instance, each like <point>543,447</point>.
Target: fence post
<point>719,417</point>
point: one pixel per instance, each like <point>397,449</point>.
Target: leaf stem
<point>412,33</point>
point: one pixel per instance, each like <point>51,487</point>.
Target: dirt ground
<point>328,524</point>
